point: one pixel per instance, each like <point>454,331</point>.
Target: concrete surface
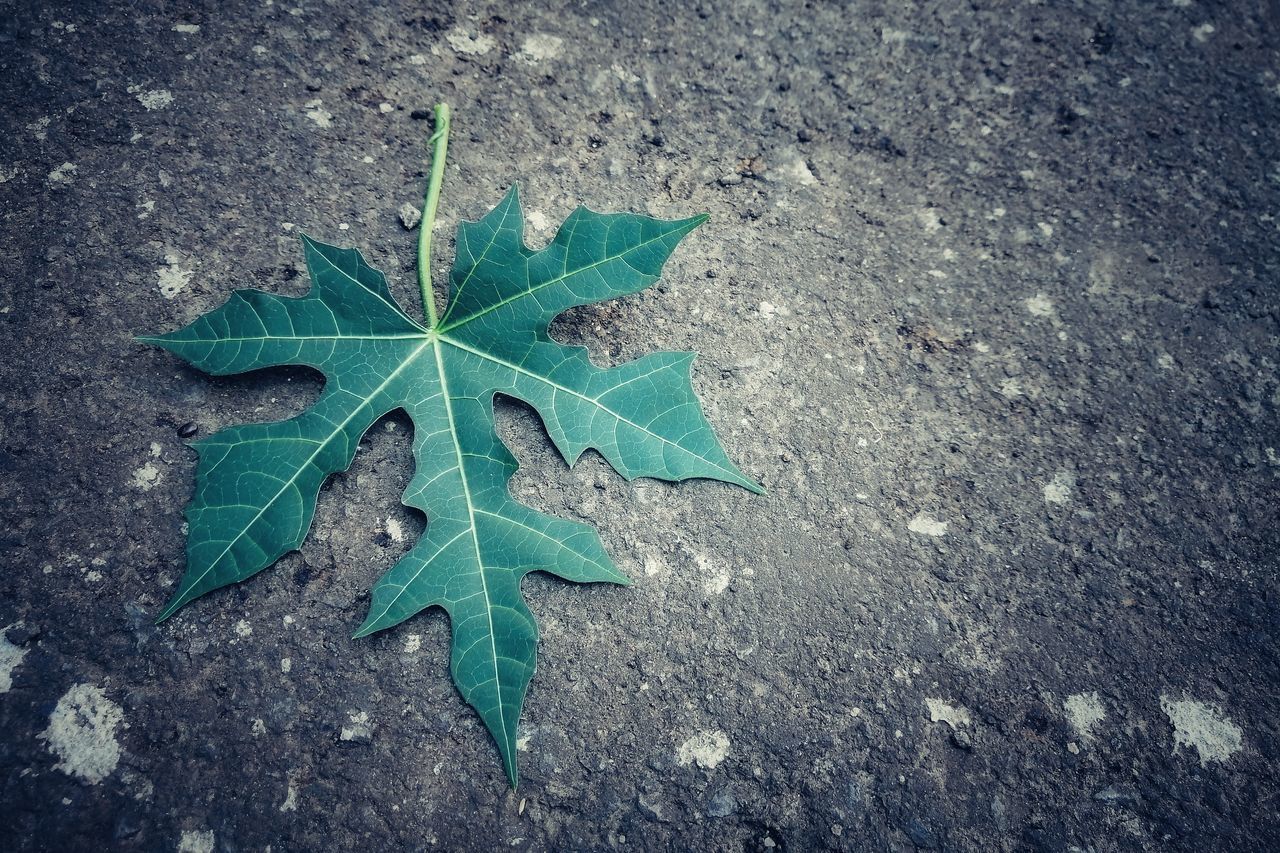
<point>987,301</point>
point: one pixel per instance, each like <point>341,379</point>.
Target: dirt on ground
<point>987,301</point>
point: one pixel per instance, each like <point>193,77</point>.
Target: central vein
<point>475,538</point>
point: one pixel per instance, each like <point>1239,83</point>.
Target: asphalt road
<point>987,301</point>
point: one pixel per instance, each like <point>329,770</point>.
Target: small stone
<point>960,739</point>
<point>730,179</point>
<point>188,429</point>
<point>722,805</point>
<point>920,834</point>
<point>420,115</point>
<point>410,216</point>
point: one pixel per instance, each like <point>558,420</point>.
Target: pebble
<point>410,216</point>
<point>188,429</point>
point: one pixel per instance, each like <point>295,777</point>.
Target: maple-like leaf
<point>257,484</point>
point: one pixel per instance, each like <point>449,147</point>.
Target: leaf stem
<point>439,143</point>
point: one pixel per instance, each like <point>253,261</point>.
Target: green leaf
<point>257,485</point>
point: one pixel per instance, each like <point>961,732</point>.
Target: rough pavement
<point>987,301</point>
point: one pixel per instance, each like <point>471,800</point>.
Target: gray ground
<point>987,301</point>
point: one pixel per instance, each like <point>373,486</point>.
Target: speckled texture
<point>987,301</point>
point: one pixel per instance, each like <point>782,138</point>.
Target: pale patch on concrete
<point>82,733</point>
<point>1084,712</point>
<point>541,47</point>
<point>1202,32</point>
<point>418,59</point>
<point>705,749</point>
<point>1010,388</point>
<point>63,176</point>
<point>395,530</point>
<point>412,643</point>
<point>8,173</point>
<point>926,525</point>
<point>290,803</point>
<point>146,478</point>
<point>196,841</point>
<point>538,220</point>
<point>953,715</point>
<point>359,727</point>
<point>929,219</point>
<point>715,579</point>
<point>1204,727</point>
<point>10,659</point>
<point>318,114</point>
<point>146,208</point>
<point>286,665</point>
<point>171,278</point>
<point>40,128</point>
<point>258,728</point>
<point>652,566</point>
<point>1039,305</point>
<point>243,629</point>
<point>188,29</point>
<point>1165,361</point>
<point>797,171</point>
<point>470,45</point>
<point>152,99</point>
<point>1045,228</point>
<point>1060,488</point>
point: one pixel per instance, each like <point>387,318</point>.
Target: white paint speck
<point>146,477</point>
<point>1059,489</point>
<point>10,659</point>
<point>1045,228</point>
<point>82,733</point>
<point>318,114</point>
<point>1164,361</point>
<point>243,629</point>
<point>359,726</point>
<point>172,279</point>
<point>196,841</point>
<point>1202,32</point>
<point>395,530</point>
<point>1039,305</point>
<point>706,749</point>
<point>188,29</point>
<point>1084,712</point>
<point>541,47</point>
<point>1204,727</point>
<point>926,525</point>
<point>286,665</point>
<point>63,176</point>
<point>412,643</point>
<point>290,803</point>
<point>152,99</point>
<point>953,715</point>
<point>470,44</point>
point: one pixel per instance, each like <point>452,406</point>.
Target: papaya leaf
<point>257,484</point>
